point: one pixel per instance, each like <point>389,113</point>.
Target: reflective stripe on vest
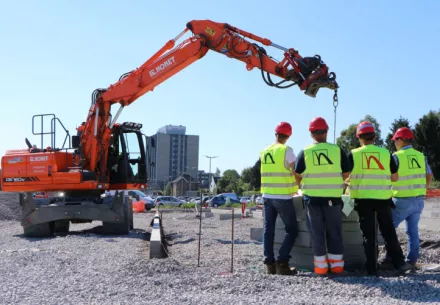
<point>276,179</point>
<point>371,175</point>
<point>412,174</point>
<point>323,175</point>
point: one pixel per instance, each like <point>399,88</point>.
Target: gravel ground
<point>85,268</point>
<point>429,246</point>
<point>9,206</point>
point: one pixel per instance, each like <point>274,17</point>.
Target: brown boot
<point>283,268</point>
<point>271,268</point>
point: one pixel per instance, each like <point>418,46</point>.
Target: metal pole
<point>209,180</point>
<point>200,230</point>
<point>232,244</point>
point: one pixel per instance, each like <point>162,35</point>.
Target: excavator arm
<point>309,73</point>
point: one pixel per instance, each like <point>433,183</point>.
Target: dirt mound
<point>9,206</point>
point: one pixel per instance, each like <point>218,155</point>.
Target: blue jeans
<point>286,210</point>
<point>409,209</point>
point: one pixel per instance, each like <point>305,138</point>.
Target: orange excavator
<point>99,157</point>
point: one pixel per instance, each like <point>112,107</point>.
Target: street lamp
<point>209,180</point>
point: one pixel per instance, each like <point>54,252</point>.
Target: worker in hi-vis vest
<point>278,187</point>
<point>373,171</point>
<point>415,176</point>
<point>321,169</point>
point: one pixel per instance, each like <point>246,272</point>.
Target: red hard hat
<point>404,133</point>
<point>284,128</point>
<point>364,127</point>
<point>318,123</point>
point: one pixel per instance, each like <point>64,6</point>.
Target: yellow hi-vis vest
<point>412,174</point>
<point>276,179</point>
<point>371,175</point>
<point>323,174</point>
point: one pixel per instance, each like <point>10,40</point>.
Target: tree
<point>255,181</point>
<point>427,139</point>
<point>217,172</point>
<point>398,123</point>
<point>229,182</point>
<point>168,189</point>
<point>348,141</point>
<point>246,175</point>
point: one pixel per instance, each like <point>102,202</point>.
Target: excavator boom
<point>103,158</point>
<point>309,73</point>
<point>96,134</point>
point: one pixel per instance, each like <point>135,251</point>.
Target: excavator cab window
<point>126,156</point>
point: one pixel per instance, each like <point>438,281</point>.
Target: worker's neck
<point>280,141</point>
<point>365,143</point>
<point>317,140</point>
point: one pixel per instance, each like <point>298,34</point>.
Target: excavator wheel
<point>40,230</point>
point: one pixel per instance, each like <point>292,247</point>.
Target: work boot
<point>406,269</point>
<point>415,265</point>
<point>271,268</point>
<point>283,268</point>
<point>386,265</point>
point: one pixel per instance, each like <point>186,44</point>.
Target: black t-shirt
<point>300,164</point>
<point>393,165</point>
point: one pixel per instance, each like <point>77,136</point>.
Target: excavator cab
<point>126,161</point>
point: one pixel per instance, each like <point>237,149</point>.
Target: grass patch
<point>168,206</point>
<point>232,205</point>
<point>188,205</point>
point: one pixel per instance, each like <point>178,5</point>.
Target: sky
<point>53,54</point>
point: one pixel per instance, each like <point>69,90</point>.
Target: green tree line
<point>426,137</point>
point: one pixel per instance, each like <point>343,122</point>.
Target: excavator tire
<point>40,230</point>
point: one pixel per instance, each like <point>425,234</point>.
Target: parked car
<point>231,195</point>
<point>207,199</point>
<point>138,196</point>
<point>171,200</point>
<point>40,195</point>
<point>245,200</point>
<point>220,200</point>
